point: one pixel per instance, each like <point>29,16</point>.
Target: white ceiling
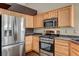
<point>43,7</point>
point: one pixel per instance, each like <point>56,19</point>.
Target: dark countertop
<point>69,36</point>
<point>39,34</point>
<point>74,39</point>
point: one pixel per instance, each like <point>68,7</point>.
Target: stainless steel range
<point>46,46</point>
<point>47,43</point>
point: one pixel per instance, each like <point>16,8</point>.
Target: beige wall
<point>68,31</point>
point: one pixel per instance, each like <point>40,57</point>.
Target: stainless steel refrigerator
<point>12,35</point>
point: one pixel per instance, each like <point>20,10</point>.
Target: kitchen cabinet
<point>74,49</point>
<point>29,21</point>
<point>36,44</point>
<point>38,21</point>
<point>46,15</point>
<point>11,13</point>
<point>61,47</point>
<point>50,14</point>
<point>66,16</point>
<point>28,43</point>
<point>32,43</point>
<point>53,13</point>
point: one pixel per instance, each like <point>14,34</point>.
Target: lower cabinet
<point>28,43</point>
<point>32,43</point>
<point>36,44</point>
<point>74,49</point>
<point>61,47</point>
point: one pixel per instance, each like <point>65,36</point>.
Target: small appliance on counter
<point>47,43</point>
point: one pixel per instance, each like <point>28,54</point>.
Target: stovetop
<point>48,36</point>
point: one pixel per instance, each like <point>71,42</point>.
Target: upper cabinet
<point>53,14</point>
<point>46,15</point>
<point>38,21</point>
<point>65,16</point>
<point>29,21</point>
<point>50,14</point>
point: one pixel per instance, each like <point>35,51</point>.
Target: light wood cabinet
<point>32,43</point>
<point>29,21</point>
<point>38,21</point>
<point>11,13</point>
<point>74,49</point>
<point>46,15</point>
<point>66,16</point>
<point>36,44</point>
<point>28,43</point>
<point>53,13</point>
<point>61,47</point>
<point>50,14</point>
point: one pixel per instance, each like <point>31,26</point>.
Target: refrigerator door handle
<point>14,30</point>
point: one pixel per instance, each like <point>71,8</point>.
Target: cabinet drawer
<point>74,49</point>
<point>74,52</point>
<point>62,49</point>
<point>75,46</point>
<point>61,42</point>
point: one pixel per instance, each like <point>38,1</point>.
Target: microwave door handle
<point>54,23</point>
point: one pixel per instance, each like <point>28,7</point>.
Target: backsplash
<point>69,31</point>
<point>39,30</point>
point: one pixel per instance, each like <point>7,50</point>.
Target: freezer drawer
<point>5,51</point>
<point>13,50</point>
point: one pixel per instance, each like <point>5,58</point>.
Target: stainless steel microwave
<point>51,23</point>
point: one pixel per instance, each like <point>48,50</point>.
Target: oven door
<point>46,46</point>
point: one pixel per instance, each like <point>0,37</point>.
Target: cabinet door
<point>53,14</point>
<point>61,47</point>
<point>65,17</point>
<point>38,21</point>
<point>46,15</point>
<point>36,43</point>
<point>28,44</point>
<point>29,21</point>
<point>74,49</point>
